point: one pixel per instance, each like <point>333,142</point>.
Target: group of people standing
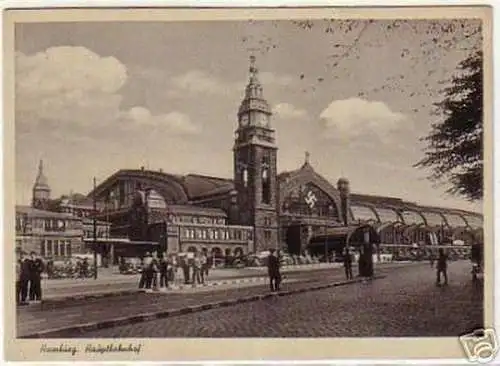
<point>158,271</point>
<point>29,278</point>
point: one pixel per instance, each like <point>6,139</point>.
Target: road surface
<point>406,303</point>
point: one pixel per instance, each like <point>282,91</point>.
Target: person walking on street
<point>273,267</point>
<point>442,267</point>
<point>24,277</point>
<point>154,272</point>
<point>163,267</point>
<point>18,280</point>
<point>36,271</point>
<point>207,264</point>
<point>347,263</point>
<point>185,269</point>
<point>197,267</point>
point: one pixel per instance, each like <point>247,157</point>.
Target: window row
<point>99,233</point>
<point>216,234</point>
<point>55,248</point>
<point>205,220</point>
<point>51,225</point>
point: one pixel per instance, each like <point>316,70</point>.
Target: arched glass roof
<point>363,213</point>
<point>454,220</point>
<point>475,222</point>
<point>412,217</point>
<point>433,218</point>
<point>387,214</point>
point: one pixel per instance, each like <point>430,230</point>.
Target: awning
<point>348,234</point>
<point>120,241</point>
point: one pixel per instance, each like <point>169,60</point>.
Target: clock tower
<point>255,172</point>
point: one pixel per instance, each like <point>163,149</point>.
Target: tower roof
<point>254,95</point>
<point>41,182</point>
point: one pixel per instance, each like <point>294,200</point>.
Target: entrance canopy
<point>337,238</point>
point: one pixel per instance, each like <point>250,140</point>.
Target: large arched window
<point>412,218</point>
<point>387,215</point>
<point>433,219</point>
<point>266,180</point>
<point>363,214</point>
<point>310,200</point>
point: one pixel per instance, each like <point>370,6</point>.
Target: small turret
<point>41,189</point>
<point>344,190</point>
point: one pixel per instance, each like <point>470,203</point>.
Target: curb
<point>82,328</point>
<point>118,293</point>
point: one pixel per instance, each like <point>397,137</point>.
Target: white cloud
<point>353,117</point>
<point>201,82</point>
<point>73,85</point>
<point>174,122</point>
<point>288,111</point>
<point>197,81</point>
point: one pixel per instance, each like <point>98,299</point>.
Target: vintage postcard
<point>248,184</point>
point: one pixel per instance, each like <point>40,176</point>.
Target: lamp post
<point>94,222</point>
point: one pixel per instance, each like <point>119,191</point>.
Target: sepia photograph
<point>303,176</point>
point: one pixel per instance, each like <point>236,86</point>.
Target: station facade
<point>260,207</point>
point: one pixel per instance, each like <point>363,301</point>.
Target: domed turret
<point>343,186</point>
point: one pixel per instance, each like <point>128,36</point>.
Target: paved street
<point>406,303</point>
<point>33,318</point>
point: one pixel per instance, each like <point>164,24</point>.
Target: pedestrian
<point>163,267</point>
<point>206,264</point>
<point>37,268</point>
<point>18,279</point>
<point>85,267</point>
<point>185,268</point>
<point>348,263</point>
<point>442,267</point>
<point>273,268</point>
<point>24,277</point>
<point>171,268</point>
<point>197,268</point>
<point>155,266</point>
<point>145,280</point>
<point>431,258</point>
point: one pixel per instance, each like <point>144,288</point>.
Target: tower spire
<point>41,189</point>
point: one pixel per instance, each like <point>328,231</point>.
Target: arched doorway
<point>293,241</point>
<point>217,252</point>
<point>238,252</point>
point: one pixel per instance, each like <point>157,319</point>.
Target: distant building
<point>50,234</point>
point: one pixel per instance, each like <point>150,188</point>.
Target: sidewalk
<point>109,281</point>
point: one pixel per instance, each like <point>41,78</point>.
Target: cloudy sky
<point>92,98</point>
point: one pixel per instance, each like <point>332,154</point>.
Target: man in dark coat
<point>24,277</point>
<point>347,263</point>
<point>273,267</point>
<point>442,267</point>
<point>37,268</point>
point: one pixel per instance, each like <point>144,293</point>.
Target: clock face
<point>263,120</point>
<point>244,120</point>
